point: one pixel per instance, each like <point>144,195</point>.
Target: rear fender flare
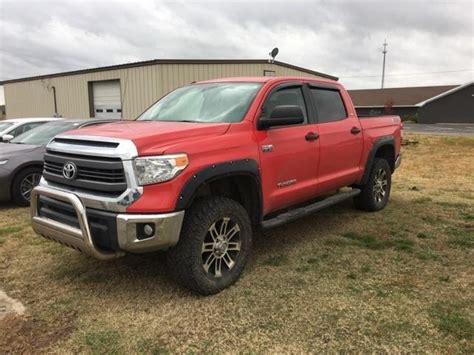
<point>379,143</point>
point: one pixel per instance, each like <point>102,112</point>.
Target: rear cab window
<point>329,104</point>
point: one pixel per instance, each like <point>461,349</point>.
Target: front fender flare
<point>246,167</point>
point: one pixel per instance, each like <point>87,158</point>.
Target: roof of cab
<point>265,79</point>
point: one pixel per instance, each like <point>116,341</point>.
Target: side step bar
<point>307,210</point>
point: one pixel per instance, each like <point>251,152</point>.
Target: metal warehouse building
<point>125,90</point>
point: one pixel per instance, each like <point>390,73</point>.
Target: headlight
<point>3,162</point>
<point>151,170</point>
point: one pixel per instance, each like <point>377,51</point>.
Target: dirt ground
<point>342,280</point>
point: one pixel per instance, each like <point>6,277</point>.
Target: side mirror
<point>283,115</point>
<point>7,138</point>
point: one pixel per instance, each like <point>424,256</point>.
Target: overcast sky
<point>430,42</point>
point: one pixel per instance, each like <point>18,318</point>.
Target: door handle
<point>355,130</point>
<point>311,136</point>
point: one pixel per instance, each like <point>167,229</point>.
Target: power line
<point>406,74</point>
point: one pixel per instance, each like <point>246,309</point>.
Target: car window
<point>17,131</point>
<point>26,127</point>
<point>44,133</point>
<point>5,125</point>
<point>286,96</point>
<point>32,125</point>
<point>329,105</point>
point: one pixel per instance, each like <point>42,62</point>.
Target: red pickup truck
<point>208,163</point>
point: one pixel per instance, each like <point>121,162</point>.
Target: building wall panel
<point>140,87</point>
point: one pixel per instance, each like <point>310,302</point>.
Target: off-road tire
<point>367,199</point>
<point>186,260</point>
<point>16,192</point>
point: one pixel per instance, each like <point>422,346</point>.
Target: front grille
<point>101,174</point>
<point>92,174</point>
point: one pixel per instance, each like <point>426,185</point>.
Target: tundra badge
<point>286,183</point>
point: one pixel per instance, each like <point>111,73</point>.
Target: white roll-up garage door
<point>106,96</point>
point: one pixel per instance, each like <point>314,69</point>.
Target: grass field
<point>398,280</point>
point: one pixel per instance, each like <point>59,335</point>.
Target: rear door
<point>288,158</point>
<point>340,139</point>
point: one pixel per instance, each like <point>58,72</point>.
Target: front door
<point>289,154</point>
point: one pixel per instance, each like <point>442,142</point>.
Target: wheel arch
<point>22,168</point>
<point>238,180</point>
<point>382,148</point>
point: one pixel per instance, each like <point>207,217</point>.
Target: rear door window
<point>329,105</point>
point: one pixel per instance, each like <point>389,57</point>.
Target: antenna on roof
<point>273,54</point>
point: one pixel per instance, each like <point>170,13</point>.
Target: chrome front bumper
<point>166,232</point>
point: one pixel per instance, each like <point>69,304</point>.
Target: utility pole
<point>385,44</point>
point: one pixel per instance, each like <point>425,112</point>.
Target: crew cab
<point>206,165</point>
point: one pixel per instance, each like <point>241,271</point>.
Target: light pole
<point>385,44</point>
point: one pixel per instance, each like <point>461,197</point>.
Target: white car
<point>9,129</point>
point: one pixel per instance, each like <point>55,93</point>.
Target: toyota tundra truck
<point>207,165</point>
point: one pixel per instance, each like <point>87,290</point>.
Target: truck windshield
<point>43,134</point>
<point>207,103</point>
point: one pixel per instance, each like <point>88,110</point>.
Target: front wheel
<point>23,184</point>
<point>374,195</point>
<point>214,245</point>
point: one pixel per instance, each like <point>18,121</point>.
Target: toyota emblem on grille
<point>69,170</point>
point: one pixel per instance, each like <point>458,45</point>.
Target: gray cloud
<point>341,38</point>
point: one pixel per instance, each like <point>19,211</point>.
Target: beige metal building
<point>125,90</point>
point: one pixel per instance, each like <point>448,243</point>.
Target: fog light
<point>145,230</point>
<point>148,229</point>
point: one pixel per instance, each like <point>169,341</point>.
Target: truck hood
<point>153,137</point>
<point>9,150</point>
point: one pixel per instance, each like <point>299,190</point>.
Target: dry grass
<point>398,280</point>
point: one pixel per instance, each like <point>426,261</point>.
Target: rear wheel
<point>23,183</point>
<point>214,245</point>
<point>374,195</point>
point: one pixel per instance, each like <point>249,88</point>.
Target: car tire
<point>375,194</point>
<point>23,183</point>
<point>214,246</point>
